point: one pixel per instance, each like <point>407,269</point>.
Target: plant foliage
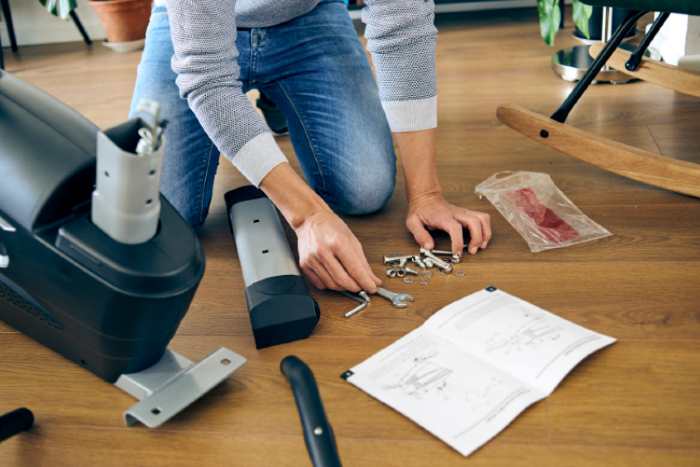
<point>60,8</point>
<point>550,18</point>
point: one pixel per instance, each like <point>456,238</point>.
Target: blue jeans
<point>316,71</point>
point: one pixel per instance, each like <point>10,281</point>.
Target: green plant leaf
<point>550,19</point>
<point>582,15</point>
<point>61,8</point>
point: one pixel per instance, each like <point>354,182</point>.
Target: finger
<point>454,229</point>
<point>313,278</point>
<point>486,228</point>
<point>375,278</point>
<point>338,273</point>
<point>355,263</point>
<point>324,275</point>
<point>420,234</point>
<point>474,226</point>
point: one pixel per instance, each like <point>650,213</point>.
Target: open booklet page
<point>533,345</point>
<point>475,365</point>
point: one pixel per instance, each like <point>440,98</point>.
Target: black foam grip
<point>15,422</point>
<point>318,434</point>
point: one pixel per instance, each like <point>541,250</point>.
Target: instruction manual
<point>476,364</point>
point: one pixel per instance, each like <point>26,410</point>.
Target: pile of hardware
<point>401,266</point>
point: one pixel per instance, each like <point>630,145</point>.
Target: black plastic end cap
<point>281,310</point>
<point>15,422</point>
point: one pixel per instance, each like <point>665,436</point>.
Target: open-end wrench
<point>399,300</point>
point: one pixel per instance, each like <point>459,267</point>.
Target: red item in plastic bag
<point>553,227</point>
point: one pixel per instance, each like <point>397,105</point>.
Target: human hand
<point>434,212</point>
<point>331,256</point>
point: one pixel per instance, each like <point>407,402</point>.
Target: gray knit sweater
<point>400,36</point>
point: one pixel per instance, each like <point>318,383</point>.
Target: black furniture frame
<point>644,166</point>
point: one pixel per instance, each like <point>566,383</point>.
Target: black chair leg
<point>81,29</point>
<point>636,58</point>
<point>10,26</point>
<point>2,57</point>
<point>630,21</point>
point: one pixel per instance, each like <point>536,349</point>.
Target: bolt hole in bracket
<point>174,383</point>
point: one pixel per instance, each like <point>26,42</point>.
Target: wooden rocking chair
<point>637,164</point>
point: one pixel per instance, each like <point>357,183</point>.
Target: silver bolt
<point>443,265</point>
<point>453,257</point>
<point>318,431</point>
<point>396,259</point>
<point>419,261</point>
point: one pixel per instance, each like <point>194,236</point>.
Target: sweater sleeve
<point>206,63</point>
<point>401,36</point>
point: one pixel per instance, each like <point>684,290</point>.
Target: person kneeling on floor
<point>305,56</point>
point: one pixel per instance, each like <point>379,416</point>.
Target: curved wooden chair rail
<point>663,74</point>
<point>637,164</point>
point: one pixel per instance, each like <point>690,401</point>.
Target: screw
<point>396,259</point>
<point>419,261</point>
<point>453,257</point>
<point>443,265</point>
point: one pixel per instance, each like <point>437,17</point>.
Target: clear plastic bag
<point>539,211</point>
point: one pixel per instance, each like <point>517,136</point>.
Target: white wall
<point>34,25</point>
<point>680,36</point>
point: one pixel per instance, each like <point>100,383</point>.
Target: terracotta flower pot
<point>123,20</point>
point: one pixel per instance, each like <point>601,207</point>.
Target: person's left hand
<point>434,212</point>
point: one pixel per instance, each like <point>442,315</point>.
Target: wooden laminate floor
<point>632,404</point>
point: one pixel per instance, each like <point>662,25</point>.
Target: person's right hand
<point>331,256</point>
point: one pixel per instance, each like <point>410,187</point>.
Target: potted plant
<point>550,18</point>
<point>125,21</point>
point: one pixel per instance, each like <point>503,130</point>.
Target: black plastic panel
<point>47,155</point>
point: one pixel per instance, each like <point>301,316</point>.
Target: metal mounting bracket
<point>172,384</point>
